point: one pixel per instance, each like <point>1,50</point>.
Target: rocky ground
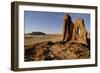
<point>56,51</point>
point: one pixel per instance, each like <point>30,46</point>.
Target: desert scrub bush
<point>50,43</point>
<point>62,42</point>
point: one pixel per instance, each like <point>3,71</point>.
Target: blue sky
<point>50,22</point>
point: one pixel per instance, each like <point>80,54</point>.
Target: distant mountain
<point>37,33</point>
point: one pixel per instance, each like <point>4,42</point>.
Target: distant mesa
<point>37,33</point>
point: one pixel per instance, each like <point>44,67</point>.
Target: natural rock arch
<point>79,31</point>
<point>75,32</point>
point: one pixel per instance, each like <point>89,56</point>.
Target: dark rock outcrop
<point>37,33</point>
<point>56,51</point>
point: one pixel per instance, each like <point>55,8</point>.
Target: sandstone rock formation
<point>75,32</point>
<point>68,28</point>
<point>79,32</point>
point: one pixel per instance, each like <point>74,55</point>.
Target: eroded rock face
<point>68,28</point>
<point>75,32</point>
<point>56,51</point>
<point>79,32</point>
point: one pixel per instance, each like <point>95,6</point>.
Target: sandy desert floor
<point>33,39</point>
<point>51,47</point>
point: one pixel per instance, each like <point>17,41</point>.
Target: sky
<point>50,22</point>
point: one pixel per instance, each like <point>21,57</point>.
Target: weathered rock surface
<point>56,51</point>
<point>68,28</point>
<point>76,31</point>
<point>79,32</point>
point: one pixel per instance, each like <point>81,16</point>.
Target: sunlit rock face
<point>79,31</point>
<point>68,28</point>
<point>76,31</point>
